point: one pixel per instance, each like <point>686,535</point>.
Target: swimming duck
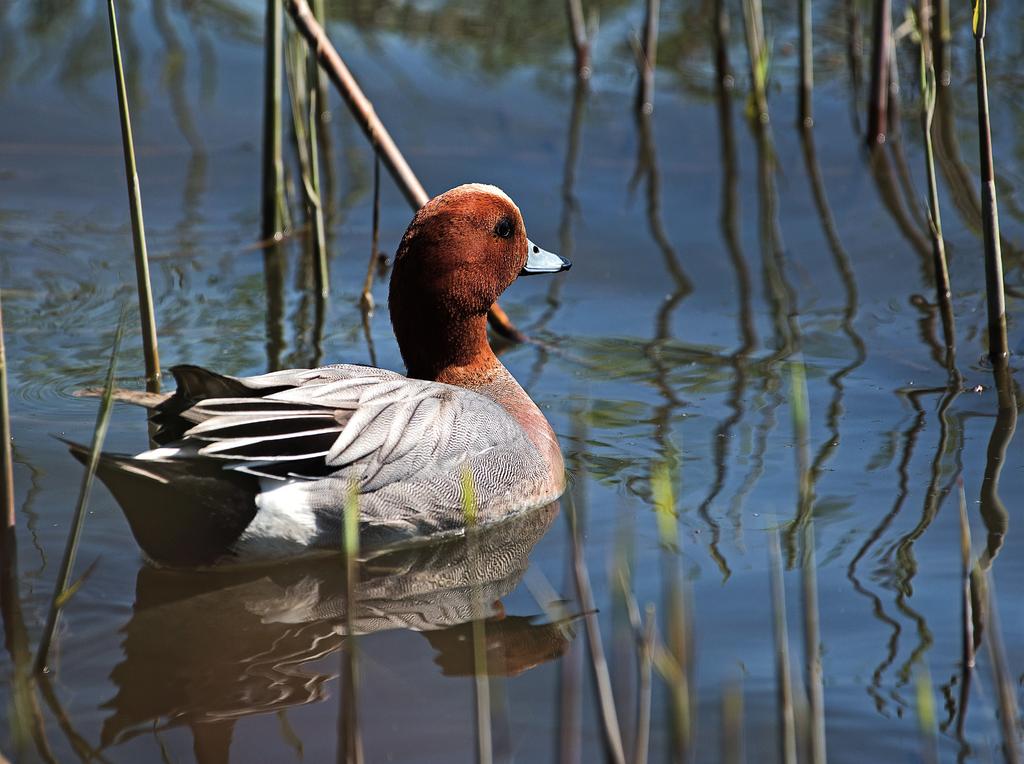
<point>256,468</point>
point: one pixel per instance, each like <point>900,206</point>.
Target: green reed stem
<point>63,588</point>
<point>998,347</point>
<point>928,89</point>
<point>6,456</point>
<point>143,286</point>
<point>800,406</point>
<point>758,55</point>
<point>925,698</point>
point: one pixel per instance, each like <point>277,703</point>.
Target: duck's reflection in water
<point>205,648</point>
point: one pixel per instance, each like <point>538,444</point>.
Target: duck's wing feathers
<point>371,426</point>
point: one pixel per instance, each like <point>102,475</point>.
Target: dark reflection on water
<point>711,261</point>
<point>211,647</point>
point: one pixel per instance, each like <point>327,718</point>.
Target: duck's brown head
<point>461,251</point>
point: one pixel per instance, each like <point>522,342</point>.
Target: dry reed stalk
<point>142,281</point>
<point>362,110</point>
<point>878,98</point>
<point>806,109</point>
<point>579,39</point>
<point>998,348</point>
<point>64,589</point>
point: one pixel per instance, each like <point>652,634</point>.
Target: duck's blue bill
<point>541,261</point>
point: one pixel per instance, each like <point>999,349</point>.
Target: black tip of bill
<point>541,261</point>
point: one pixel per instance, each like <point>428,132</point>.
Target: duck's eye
<point>503,228</point>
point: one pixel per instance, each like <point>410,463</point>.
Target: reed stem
<point>806,115</point>
<point>787,729</point>
<point>878,103</point>
<point>323,274</point>
<point>578,36</point>
<point>366,299</point>
<point>757,53</point>
<point>966,612</point>
<point>647,58</point>
<point>598,663</point>
<point>143,286</point>
<point>1006,692</point>
<point>274,205</point>
<point>998,347</point>
<point>6,456</point>
<point>926,716</point>
<point>943,291</point>
<point>351,742</point>
<point>61,590</point>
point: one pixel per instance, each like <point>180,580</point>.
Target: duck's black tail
<point>181,512</point>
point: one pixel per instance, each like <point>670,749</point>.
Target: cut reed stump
<point>383,145</point>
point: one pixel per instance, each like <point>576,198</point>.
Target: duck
<point>262,468</point>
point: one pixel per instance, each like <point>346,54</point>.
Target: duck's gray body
<point>262,467</point>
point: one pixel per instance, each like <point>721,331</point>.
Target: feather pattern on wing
<point>404,444</point>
